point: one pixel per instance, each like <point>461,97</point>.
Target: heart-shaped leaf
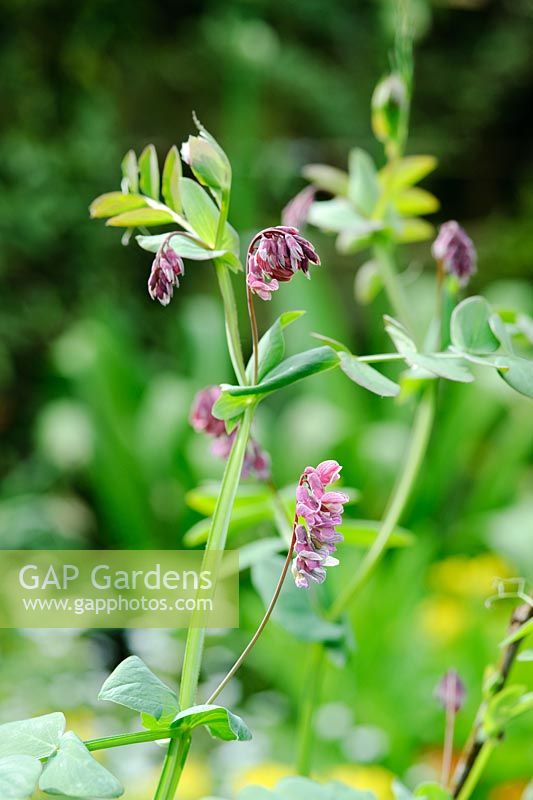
<point>18,777</point>
<point>470,327</point>
<point>149,172</point>
<point>134,685</point>
<point>367,377</point>
<point>37,737</point>
<point>72,771</point>
<point>220,722</point>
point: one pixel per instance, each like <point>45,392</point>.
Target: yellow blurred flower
<point>443,619</point>
<point>508,791</point>
<point>373,778</point>
<point>469,577</point>
<point>266,775</point>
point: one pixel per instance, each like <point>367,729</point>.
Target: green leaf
<point>450,368</point>
<point>414,230</point>
<point>244,518</point>
<point>517,372</point>
<point>296,788</point>
<point>339,347</point>
<point>503,707</point>
<point>470,327</point>
<point>407,171</point>
<point>141,217</point>
<point>272,344</point>
<point>231,261</point>
<point>134,685</point>
<point>37,737</point>
<point>112,203</point>
<point>353,241</point>
<point>329,179</point>
<point>185,246</point>
<point>149,172</point>
<point>171,178</point>
<point>18,777</point>
<point>200,210</point>
<point>204,498</point>
<point>432,791</point>
<point>363,188</point>
<point>367,377</point>
<point>368,282</point>
<point>220,722</point>
<point>337,215</point>
<point>209,163</point>
<point>415,201</point>
<point>292,369</point>
<point>72,771</point>
<point>130,173</point>
<point>363,533</point>
<point>525,655</point>
<point>524,630</point>
<point>399,335</point>
<point>228,407</point>
<point>293,611</point>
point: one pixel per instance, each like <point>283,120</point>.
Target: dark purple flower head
<point>450,691</point>
<point>456,251</point>
<point>256,461</point>
<point>275,255</point>
<point>321,512</point>
<point>295,212</point>
<point>167,268</point>
<point>201,416</point>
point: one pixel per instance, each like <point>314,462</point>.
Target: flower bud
<point>167,268</point>
<point>456,251</point>
<point>451,691</point>
<point>275,255</point>
<point>389,102</point>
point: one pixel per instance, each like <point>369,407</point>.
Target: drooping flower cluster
<point>455,249</point>
<point>451,692</point>
<point>167,268</point>
<point>321,511</point>
<point>256,461</point>
<point>275,255</point>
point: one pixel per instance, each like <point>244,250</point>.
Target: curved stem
<point>253,641</point>
<point>255,334</point>
<point>398,501</point>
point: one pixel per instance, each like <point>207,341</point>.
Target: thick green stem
<point>477,770</point>
<point>232,323</point>
<point>196,635</point>
<point>384,257</point>
<point>420,436</point>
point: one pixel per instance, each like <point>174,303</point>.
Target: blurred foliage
<point>96,380</point>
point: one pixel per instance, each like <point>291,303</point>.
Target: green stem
<point>383,254</point>
<point>122,739</point>
<point>398,501</point>
<point>232,321</point>
<point>311,697</point>
<point>196,635</point>
<point>173,767</point>
<point>477,770</point>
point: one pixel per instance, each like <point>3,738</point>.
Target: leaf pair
<point>135,686</point>
<point>69,769</point>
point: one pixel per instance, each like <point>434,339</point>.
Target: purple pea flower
<point>256,461</point>
<point>294,215</point>
<point>321,511</point>
<point>451,691</point>
<point>274,256</point>
<point>167,268</point>
<point>455,249</point>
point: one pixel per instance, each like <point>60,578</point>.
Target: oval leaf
<point>220,722</point>
<point>72,771</point>
<point>363,532</point>
<point>141,217</point>
<point>366,376</point>
<point>134,685</point>
<point>183,245</point>
<point>517,372</point>
<point>415,201</point>
<point>37,737</point>
<point>329,179</point>
<point>200,210</point>
<point>113,203</point>
<point>470,327</point>
<point>453,369</point>
<point>407,171</point>
<point>18,777</point>
<point>171,178</point>
<point>130,173</point>
<point>149,172</point>
<point>272,344</point>
<point>363,188</point>
<point>289,371</point>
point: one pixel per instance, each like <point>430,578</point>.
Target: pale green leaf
<point>367,377</point>
<point>415,201</point>
<point>182,244</point>
<point>141,217</point>
<point>113,203</point>
<point>130,172</point>
<point>220,722</point>
<point>407,171</point>
<point>149,172</point>
<point>363,187</point>
<point>134,685</point>
<point>18,777</point>
<point>470,327</point>
<point>37,737</point>
<point>72,771</point>
<point>171,178</point>
<point>200,210</point>
<point>326,178</point>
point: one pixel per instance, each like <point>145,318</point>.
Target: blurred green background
<point>96,380</point>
